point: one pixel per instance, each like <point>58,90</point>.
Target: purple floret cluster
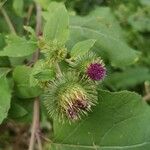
<point>96,71</point>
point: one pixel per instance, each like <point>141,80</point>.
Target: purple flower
<point>96,71</point>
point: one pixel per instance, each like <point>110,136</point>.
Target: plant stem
<point>38,30</point>
<point>8,21</point>
<point>147,91</point>
<point>29,13</point>
<point>147,87</point>
<point>38,138</point>
<point>36,108</point>
<point>146,97</point>
<point>35,123</point>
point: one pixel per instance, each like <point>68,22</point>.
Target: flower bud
<point>53,51</point>
<point>92,66</point>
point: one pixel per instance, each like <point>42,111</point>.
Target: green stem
<point>8,21</point>
<point>58,70</point>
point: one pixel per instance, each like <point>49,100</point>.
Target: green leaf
<point>45,75</point>
<point>2,41</point>
<point>21,76</point>
<point>119,122</point>
<point>44,3</point>
<point>4,71</point>
<point>5,97</point>
<point>17,111</point>
<point>129,78</point>
<point>82,47</point>
<point>57,26</point>
<point>18,47</point>
<point>4,62</point>
<point>18,7</point>
<point>31,31</point>
<point>102,26</point>
<point>40,72</point>
<point>51,8</point>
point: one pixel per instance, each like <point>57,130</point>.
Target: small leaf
<point>18,47</point>
<point>4,71</point>
<point>119,122</point>
<point>5,97</point>
<point>16,111</point>
<point>31,31</point>
<point>81,48</point>
<point>18,7</point>
<point>26,91</point>
<point>21,76</point>
<point>45,75</point>
<point>40,72</point>
<point>57,26</point>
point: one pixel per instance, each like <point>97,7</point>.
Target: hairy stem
<point>8,21</point>
<point>36,108</point>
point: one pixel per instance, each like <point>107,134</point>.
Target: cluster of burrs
<point>71,95</point>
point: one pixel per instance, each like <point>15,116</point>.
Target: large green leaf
<point>119,122</point>
<point>57,25</point>
<point>5,97</point>
<point>18,47</point>
<point>102,26</point>
<point>128,78</point>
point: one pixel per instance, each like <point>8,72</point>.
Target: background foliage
<point>117,31</point>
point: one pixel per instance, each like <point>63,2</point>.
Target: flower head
<point>69,97</point>
<point>91,65</point>
<point>96,71</point>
